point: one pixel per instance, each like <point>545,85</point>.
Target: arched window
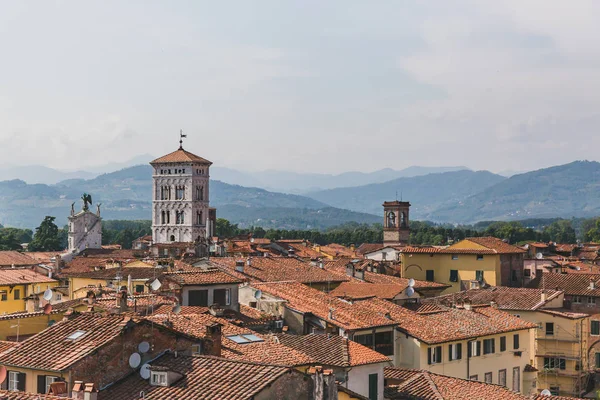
<point>403,220</point>
<point>172,238</point>
<point>162,217</point>
<point>391,219</point>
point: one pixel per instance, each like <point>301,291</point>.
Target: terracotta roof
<point>180,156</point>
<point>51,350</point>
<point>587,255</point>
<point>506,298</point>
<point>9,258</point>
<point>267,351</point>
<point>8,395</point>
<point>5,345</point>
<point>368,248</point>
<point>337,250</point>
<point>565,248</point>
<point>498,245</point>
<point>43,256</point>
<point>308,300</point>
<point>111,273</point>
<point>437,250</point>
<point>202,277</point>
<point>571,284</point>
<point>23,277</point>
<point>425,385</point>
<point>538,245</point>
<point>204,377</point>
<point>363,290</point>
<point>276,269</point>
<point>300,250</point>
<point>333,350</point>
<point>449,324</point>
<point>117,254</point>
<point>562,312</point>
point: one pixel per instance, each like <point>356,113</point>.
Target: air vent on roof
<point>76,335</point>
<point>245,338</point>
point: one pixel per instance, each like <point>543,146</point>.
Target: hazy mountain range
<point>458,195</point>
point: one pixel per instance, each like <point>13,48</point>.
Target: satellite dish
<point>258,294</point>
<point>176,309</point>
<point>135,360</point>
<point>144,347</point>
<point>411,282</point>
<point>145,371</point>
<point>47,308</point>
<point>410,291</point>
<point>546,392</point>
<point>155,285</point>
<point>539,256</point>
<point>3,374</point>
<point>48,295</point>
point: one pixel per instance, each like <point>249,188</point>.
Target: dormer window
<point>75,335</point>
<point>158,379</point>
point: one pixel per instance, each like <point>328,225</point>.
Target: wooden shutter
<point>438,354</point>
<point>449,352</point>
<point>493,346</point>
<point>429,355</point>
<point>41,384</point>
<point>479,347</point>
<point>459,350</point>
<point>469,352</point>
<point>21,383</point>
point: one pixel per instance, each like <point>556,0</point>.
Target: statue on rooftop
<point>87,200</point>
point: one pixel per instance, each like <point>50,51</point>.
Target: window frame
<point>489,346</point>
<point>13,381</point>
<point>16,294</point>
<point>162,381</point>
<point>52,380</point>
<point>576,299</point>
<point>516,341</point>
<point>597,324</point>
<point>547,330</point>
<point>454,351</point>
<point>453,275</point>
<point>435,355</point>
<point>488,377</point>
<point>502,343</point>
<point>502,373</point>
<point>427,273</point>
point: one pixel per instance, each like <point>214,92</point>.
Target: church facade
<point>180,202</point>
<point>85,229</point>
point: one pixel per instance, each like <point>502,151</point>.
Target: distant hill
<point>302,183</point>
<point>426,193</point>
<point>570,190</point>
<point>127,194</point>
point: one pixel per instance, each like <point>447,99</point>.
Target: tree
<point>560,231</point>
<point>46,237</point>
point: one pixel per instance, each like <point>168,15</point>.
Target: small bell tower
<point>396,226</point>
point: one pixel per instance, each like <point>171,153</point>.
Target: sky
<point>306,86</point>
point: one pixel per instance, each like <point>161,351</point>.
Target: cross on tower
<point>181,136</point>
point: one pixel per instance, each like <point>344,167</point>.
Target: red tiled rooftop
<point>305,299</point>
<point>333,350</point>
<point>267,351</point>
<point>505,297</point>
<point>202,277</point>
<point>204,377</point>
<point>421,384</point>
<point>9,395</point>
<point>277,269</point>
<point>571,284</point>
<point>23,277</point>
<point>181,156</point>
<point>449,324</point>
<point>9,258</point>
<point>498,245</point>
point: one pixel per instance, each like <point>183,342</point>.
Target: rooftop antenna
<point>181,136</point>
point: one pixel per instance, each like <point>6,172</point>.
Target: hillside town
<point>185,314</point>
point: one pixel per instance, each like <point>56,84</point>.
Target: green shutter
<point>41,384</point>
<point>459,350</point>
<point>373,386</point>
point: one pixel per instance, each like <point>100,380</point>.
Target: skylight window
<point>76,335</point>
<point>243,339</point>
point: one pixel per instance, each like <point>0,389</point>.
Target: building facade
<point>180,209</point>
<point>85,229</point>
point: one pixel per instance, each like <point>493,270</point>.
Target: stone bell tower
<point>396,228</point>
<point>180,209</point>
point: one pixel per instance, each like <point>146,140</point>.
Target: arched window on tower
<point>200,193</point>
<point>403,219</point>
<point>172,238</point>
<point>168,217</point>
<point>162,217</point>
<point>391,220</point>
<point>179,192</point>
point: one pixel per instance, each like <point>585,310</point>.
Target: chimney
<point>122,299</point>
<point>592,284</point>
<point>249,261</point>
<point>90,392</point>
<point>239,266</point>
<point>493,304</point>
<point>214,340</point>
<point>77,392</point>
<point>544,297</point>
<point>321,265</point>
<point>324,383</point>
<point>331,314</point>
<point>291,252</point>
<point>467,304</point>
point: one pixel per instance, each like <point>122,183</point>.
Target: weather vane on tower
<point>181,136</point>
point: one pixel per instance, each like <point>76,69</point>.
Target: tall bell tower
<point>180,209</point>
<point>396,228</point>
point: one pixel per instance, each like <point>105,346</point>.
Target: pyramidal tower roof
<point>180,156</point>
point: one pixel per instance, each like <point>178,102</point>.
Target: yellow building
<point>469,264</point>
<point>80,283</point>
<point>560,341</point>
<point>477,343</point>
<point>17,284</point>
